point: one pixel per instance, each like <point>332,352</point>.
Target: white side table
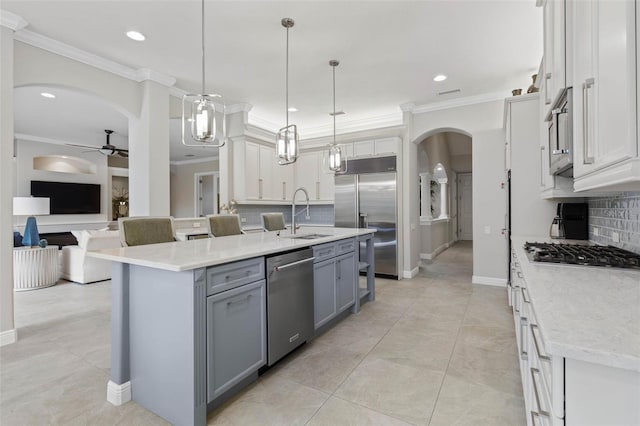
<point>35,267</point>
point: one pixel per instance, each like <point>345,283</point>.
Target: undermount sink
<point>308,236</point>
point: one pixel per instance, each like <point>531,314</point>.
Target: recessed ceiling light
<point>440,77</point>
<point>135,35</point>
<point>293,109</point>
<point>47,95</point>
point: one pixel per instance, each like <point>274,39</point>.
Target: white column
<point>425,196</point>
<point>8,332</point>
<point>443,200</point>
<point>149,153</point>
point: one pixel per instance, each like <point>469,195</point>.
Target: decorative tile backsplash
<point>619,215</point>
<point>320,214</point>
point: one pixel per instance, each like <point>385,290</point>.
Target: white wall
<point>471,119</point>
<point>182,186</point>
<point>25,173</point>
<point>7,327</point>
<point>490,247</point>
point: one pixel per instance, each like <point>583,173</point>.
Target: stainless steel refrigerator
<point>366,198</point>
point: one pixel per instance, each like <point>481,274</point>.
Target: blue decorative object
<point>31,236</point>
<point>17,239</point>
<point>43,243</point>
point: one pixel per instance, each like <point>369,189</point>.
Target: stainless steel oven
<point>560,127</point>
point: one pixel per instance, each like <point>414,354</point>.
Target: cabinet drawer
<point>324,251</point>
<point>232,275</point>
<point>345,246</point>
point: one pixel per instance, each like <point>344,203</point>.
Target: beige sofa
<point>80,268</point>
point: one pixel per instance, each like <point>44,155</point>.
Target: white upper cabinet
<point>311,174</point>
<point>604,51</point>
<point>386,146</point>
<point>363,148</point>
<point>555,64</point>
<point>282,186</point>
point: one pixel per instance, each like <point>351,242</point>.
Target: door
<point>324,292</point>
<point>307,173</point>
<point>206,193</point>
<point>267,158</point>
<point>345,201</point>
<point>345,281</point>
<point>377,210</point>
<point>252,171</point>
<point>465,206</point>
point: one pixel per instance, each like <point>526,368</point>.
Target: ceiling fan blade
<point>83,146</point>
<point>122,153</point>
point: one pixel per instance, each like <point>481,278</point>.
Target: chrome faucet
<point>293,208</point>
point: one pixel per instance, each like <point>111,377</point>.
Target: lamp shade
<point>439,173</point>
<point>30,206</point>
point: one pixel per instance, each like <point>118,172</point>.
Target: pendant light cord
<point>203,92</point>
<point>287,79</point>
<point>334,105</point>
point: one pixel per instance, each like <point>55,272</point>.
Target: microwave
<point>560,128</point>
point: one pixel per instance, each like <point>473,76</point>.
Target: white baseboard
<point>498,282</point>
<point>8,337</point>
<point>436,252</point>
<point>410,274</point>
<point>118,394</point>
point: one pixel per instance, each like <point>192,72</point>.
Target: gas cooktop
<point>588,255</point>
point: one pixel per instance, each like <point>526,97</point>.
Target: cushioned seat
<point>76,266</point>
<point>272,221</point>
<point>221,225</point>
<point>137,231</point>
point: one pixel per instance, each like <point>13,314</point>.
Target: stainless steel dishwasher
<point>289,302</point>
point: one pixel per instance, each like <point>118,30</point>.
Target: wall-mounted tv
<point>69,198</point>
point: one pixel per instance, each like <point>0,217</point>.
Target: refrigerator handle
<point>363,221</point>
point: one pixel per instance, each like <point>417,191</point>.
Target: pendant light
<point>200,111</point>
<point>335,152</point>
<point>287,140</point>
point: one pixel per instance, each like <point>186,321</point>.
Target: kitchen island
<point>163,316</point>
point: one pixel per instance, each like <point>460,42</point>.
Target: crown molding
<point>455,103</point>
<point>388,120</point>
<point>263,124</point>
<point>367,134</point>
<point>407,107</point>
<point>260,133</point>
<point>177,92</point>
<point>239,107</point>
<point>194,161</point>
<point>12,21</point>
<point>68,51</point>
<point>33,138</point>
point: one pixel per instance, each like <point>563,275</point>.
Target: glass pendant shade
<point>335,158</point>
<point>287,143</point>
<point>200,111</point>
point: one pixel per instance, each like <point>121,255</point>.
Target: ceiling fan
<point>106,149</point>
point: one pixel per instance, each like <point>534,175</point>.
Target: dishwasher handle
<point>289,265</point>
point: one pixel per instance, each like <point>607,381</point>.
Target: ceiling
<point>389,51</point>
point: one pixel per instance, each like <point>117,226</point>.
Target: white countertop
<point>188,255</point>
<point>585,313</point>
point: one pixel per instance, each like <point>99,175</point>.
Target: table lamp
<point>31,207</point>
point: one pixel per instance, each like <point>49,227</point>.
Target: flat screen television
<point>67,197</point>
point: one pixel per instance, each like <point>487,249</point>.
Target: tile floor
<point>431,350</point>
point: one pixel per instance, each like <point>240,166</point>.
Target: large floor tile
<point>273,401</point>
<point>337,411</point>
<point>462,402</point>
<point>405,392</point>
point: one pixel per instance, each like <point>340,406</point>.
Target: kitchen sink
<point>308,236</point>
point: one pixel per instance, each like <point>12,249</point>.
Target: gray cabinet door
<point>236,336</point>
<point>346,281</point>
<point>324,292</point>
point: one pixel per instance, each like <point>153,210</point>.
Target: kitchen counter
<point>167,300</point>
<point>188,255</point>
<point>585,313</point>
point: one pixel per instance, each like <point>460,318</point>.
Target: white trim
<point>239,107</point>
<point>33,138</point>
<point>346,138</point>
<point>454,103</point>
<point>428,222</point>
<point>68,51</point>
<point>263,123</point>
<point>498,282</point>
<point>388,120</point>
<point>118,394</point>
<point>8,337</point>
<point>412,273</point>
<point>12,21</point>
<point>194,161</point>
<point>259,133</point>
<point>436,252</point>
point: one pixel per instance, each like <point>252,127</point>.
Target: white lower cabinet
<point>560,390</point>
